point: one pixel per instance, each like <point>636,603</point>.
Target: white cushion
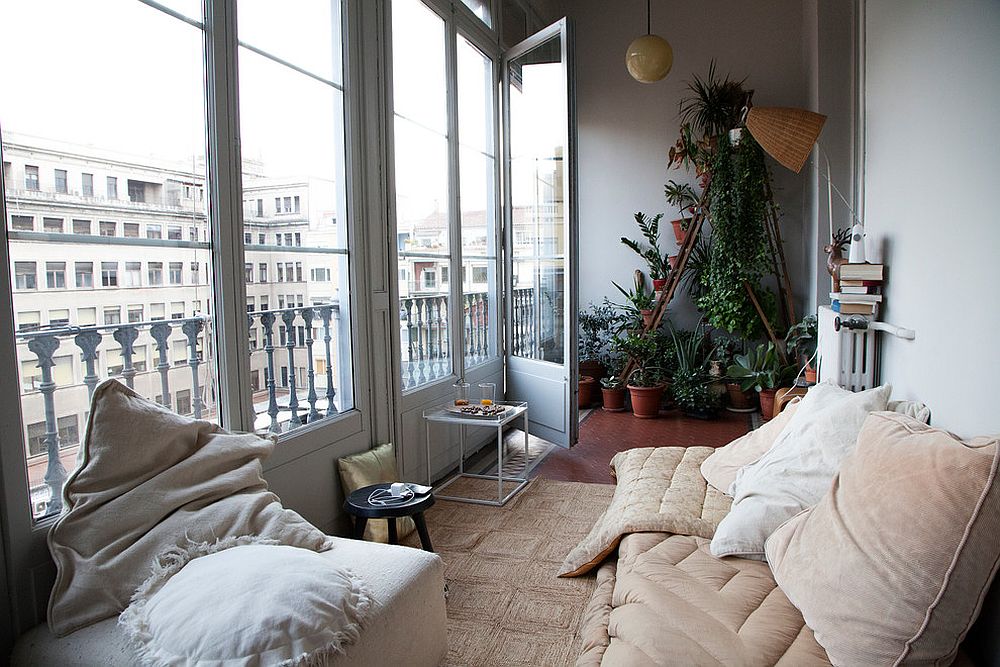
<point>249,605</point>
<point>795,473</point>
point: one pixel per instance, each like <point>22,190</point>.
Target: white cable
<point>384,498</point>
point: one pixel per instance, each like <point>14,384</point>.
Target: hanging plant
<point>739,254</point>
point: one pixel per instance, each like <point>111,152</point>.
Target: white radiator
<point>848,357</point>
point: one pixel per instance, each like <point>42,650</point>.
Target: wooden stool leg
<point>393,539</point>
<point>359,527</point>
<point>425,538</point>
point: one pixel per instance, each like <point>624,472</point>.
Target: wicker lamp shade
<point>786,134</point>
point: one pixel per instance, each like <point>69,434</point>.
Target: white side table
<point>444,416</point>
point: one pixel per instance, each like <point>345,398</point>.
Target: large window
<point>443,157</point>
<point>148,128</point>
<point>291,68</point>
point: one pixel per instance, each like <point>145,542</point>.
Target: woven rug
<point>505,604</point>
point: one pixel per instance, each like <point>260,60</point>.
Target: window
<point>136,191</point>
<point>251,301</point>
<point>288,205</point>
<point>25,275</point>
<point>112,315</point>
<point>184,401</point>
<point>277,239</point>
<point>176,273</point>
<point>248,272</point>
<point>30,177</point>
<point>277,204</point>
<point>177,310</point>
<point>155,273</point>
<point>109,228</point>
<point>195,273</point>
<point>87,184</point>
<point>289,271</point>
<point>481,8</point>
<point>175,233</point>
<point>109,274</point>
<point>288,238</point>
<point>154,231</point>
<point>247,238</point>
<point>296,201</point>
<point>444,275</point>
<point>480,274</point>
<point>82,227</point>
<point>29,320</point>
<point>53,225</point>
<point>59,317</point>
<point>133,274</point>
<point>130,230</point>
<point>263,303</point>
<point>192,233</point>
<point>55,275</point>
<point>262,272</point>
<point>260,236</point>
<point>422,147</point>
<point>134,313</point>
<point>157,311</point>
<point>61,184</point>
<point>298,237</point>
<point>22,223</point>
<point>84,274</point>
<point>281,272</point>
<point>86,317</point>
<point>112,187</point>
<point>321,275</point>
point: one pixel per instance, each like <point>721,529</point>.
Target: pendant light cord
<point>649,29</point>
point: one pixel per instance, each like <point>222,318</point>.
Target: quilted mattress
<point>668,601</point>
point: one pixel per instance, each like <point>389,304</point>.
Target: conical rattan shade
<point>786,134</point>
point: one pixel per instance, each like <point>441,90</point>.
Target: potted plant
<point>685,199</point>
<point>691,379</point>
<point>650,228</point>
<point>645,382</point>
<point>640,302</point>
<point>800,343</point>
<point>760,369</point>
<point>612,387</point>
<point>586,386</point>
<point>598,323</point>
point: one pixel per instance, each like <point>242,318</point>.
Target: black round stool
<point>357,505</point>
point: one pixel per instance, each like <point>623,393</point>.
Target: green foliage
<point>801,339</point>
<point>760,368</point>
<point>639,299</point>
<point>740,253</point>
<point>597,326</point>
<point>715,104</point>
<point>691,380</point>
<point>659,265</point>
<point>681,195</point>
<point>641,348</point>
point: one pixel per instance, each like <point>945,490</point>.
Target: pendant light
<point>649,58</point>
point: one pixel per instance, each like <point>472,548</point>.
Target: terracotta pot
<point>767,403</point>
<point>585,395</point>
<point>646,401</point>
<point>673,262</point>
<point>593,368</point>
<point>739,400</point>
<point>679,233</point>
<point>614,399</point>
<point>659,284</point>
<point>810,374</point>
<point>647,317</point>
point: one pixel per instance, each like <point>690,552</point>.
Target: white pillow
<point>244,606</point>
<point>795,473</point>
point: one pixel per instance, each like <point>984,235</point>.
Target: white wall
<point>626,128</point>
<point>933,145</point>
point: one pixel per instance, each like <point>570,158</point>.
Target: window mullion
<point>457,310</point>
<point>225,193</point>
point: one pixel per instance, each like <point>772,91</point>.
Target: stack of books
<point>860,289</point>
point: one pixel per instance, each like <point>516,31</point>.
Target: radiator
<point>847,357</point>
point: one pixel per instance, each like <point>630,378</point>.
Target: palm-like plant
<point>659,265</point>
<point>715,105</point>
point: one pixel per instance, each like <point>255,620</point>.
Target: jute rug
<point>505,604</point>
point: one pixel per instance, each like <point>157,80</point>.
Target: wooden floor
<point>603,434</point>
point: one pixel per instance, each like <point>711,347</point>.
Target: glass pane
<point>423,217</point>
<point>306,33</point>
<point>538,146</point>
<point>295,218</point>
<point>478,185</point>
<point>481,8</point>
<point>132,150</point>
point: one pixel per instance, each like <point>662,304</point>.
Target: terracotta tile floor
<point>603,434</point>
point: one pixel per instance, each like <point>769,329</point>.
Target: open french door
<point>540,232</point>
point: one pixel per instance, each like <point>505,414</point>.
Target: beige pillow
<point>893,563</point>
<point>376,466</point>
<point>721,467</point>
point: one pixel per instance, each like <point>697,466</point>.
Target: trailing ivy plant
<point>739,253</point>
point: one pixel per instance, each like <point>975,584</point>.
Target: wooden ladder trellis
<point>674,278</point>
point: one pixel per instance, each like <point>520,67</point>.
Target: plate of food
<point>490,411</point>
